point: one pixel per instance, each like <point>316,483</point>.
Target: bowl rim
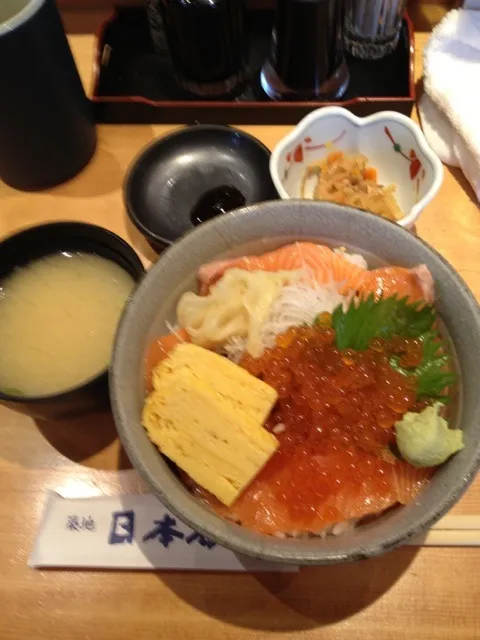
<point>408,219</point>
<point>137,163</point>
<point>232,540</point>
<point>21,16</point>
<point>103,373</point>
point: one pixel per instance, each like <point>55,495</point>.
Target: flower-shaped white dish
<point>393,144</point>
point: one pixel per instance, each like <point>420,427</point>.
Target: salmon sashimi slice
<point>159,349</point>
<point>322,263</point>
<point>261,507</point>
<point>326,266</point>
<point>409,481</point>
<point>416,284</point>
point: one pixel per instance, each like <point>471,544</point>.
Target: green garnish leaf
<point>384,318</point>
<point>380,318</point>
<point>431,374</point>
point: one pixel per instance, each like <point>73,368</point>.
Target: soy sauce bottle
<point>206,43</point>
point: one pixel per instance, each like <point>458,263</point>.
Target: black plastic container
<point>37,242</point>
<point>47,129</point>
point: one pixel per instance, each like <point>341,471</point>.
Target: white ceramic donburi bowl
<point>393,144</point>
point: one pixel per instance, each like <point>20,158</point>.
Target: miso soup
<point>58,317</point>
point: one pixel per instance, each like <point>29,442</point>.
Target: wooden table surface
<point>411,593</point>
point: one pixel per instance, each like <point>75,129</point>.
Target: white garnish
<point>296,304</point>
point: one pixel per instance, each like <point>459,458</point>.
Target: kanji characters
<point>202,540</point>
<point>123,527</point>
<point>164,530</point>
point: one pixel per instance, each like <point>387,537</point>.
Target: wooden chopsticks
<point>451,531</point>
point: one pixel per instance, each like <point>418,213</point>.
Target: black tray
<point>135,85</point>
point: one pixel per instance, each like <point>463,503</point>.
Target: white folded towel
<point>450,107</point>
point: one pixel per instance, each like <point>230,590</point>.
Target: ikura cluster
<point>334,420</point>
<point>334,398</point>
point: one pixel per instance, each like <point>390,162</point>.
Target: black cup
<point>34,243</point>
<point>206,43</point>
<point>306,60</point>
<point>47,130</point>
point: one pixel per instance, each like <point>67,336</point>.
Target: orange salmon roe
<point>332,399</point>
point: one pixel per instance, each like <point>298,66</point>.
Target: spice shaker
<point>372,27</point>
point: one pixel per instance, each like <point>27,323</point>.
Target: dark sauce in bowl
<point>216,201</point>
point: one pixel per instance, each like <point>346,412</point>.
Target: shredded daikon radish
<point>296,304</point>
<point>353,258</point>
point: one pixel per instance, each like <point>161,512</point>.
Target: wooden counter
<point>411,593</point>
